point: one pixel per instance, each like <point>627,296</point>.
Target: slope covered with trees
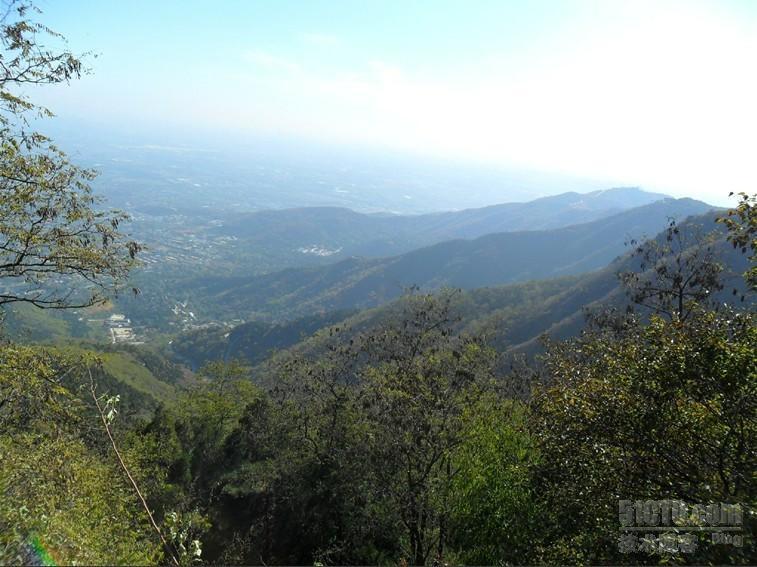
<point>511,317</point>
<point>344,233</point>
<point>486,261</point>
<point>405,441</point>
<point>254,341</point>
<point>396,437</point>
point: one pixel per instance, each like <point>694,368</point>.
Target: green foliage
<point>742,226</point>
<point>495,513</point>
<point>53,230</point>
<point>298,467</point>
<point>183,531</point>
<point>121,373</point>
<point>64,495</point>
<point>666,411</point>
<point>129,370</point>
<point>60,486</point>
<point>26,323</point>
<point>32,394</point>
<point>677,272</point>
<point>150,357</point>
<point>355,449</point>
<point>57,487</point>
<point>393,443</point>
<point>183,445</point>
<point>416,398</point>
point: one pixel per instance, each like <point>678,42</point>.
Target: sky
<point>659,94</point>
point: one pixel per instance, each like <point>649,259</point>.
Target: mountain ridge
<point>337,232</point>
<point>511,316</point>
<point>492,259</point>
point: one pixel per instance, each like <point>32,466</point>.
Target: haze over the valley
<point>515,100</point>
<point>378,282</point>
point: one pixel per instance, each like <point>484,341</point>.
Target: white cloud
<point>667,102</point>
<point>664,101</point>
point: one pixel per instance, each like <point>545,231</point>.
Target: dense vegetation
<point>346,233</point>
<point>410,434</point>
<point>254,341</point>
<point>402,442</point>
<point>485,261</point>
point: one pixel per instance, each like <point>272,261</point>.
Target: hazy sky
<point>660,94</point>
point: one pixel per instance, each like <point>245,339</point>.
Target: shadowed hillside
<point>512,317</point>
<point>489,260</point>
<point>334,233</point>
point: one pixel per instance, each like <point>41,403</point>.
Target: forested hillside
<point>254,341</point>
<point>512,317</point>
<point>186,246</point>
<point>340,233</point>
<point>567,381</point>
<point>488,260</point>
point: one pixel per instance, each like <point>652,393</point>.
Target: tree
<point>183,446</point>
<point>665,412</point>
<point>495,517</point>
<point>742,227</point>
<point>59,496</point>
<point>677,271</point>
<point>32,392</point>
<point>300,483</point>
<point>353,457</point>
<point>63,501</point>
<point>418,394</point>
<point>53,231</point>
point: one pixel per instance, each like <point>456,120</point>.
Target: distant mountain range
<point>493,259</point>
<point>512,316</point>
<point>330,233</point>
